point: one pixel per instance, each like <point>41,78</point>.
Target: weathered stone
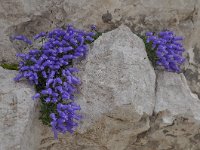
<point>124,106</point>
<point>32,16</point>
<point>173,95</point>
<point>182,134</point>
<point>113,121</point>
<point>117,93</point>
<point>117,72</point>
<point>16,113</point>
<point>176,120</point>
<point>192,73</point>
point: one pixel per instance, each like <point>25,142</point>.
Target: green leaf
<point>10,66</point>
<point>151,53</point>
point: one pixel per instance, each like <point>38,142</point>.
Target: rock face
<point>174,95</point>
<point>117,72</point>
<point>176,120</point>
<point>125,104</point>
<point>117,91</point>
<point>123,108</point>
<point>16,113</point>
<point>32,16</point>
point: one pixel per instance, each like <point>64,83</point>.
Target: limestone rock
<point>117,72</point>
<point>123,108</point>
<point>176,120</point>
<point>175,123</point>
<point>174,96</point>
<point>117,93</point>
<point>16,112</point>
<point>29,17</point>
<point>124,105</point>
<point>182,134</point>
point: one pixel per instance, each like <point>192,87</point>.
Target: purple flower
<point>37,95</point>
<point>50,69</point>
<point>23,38</point>
<point>93,27</point>
<point>48,99</point>
<point>89,38</point>
<point>49,81</point>
<point>167,49</point>
<point>42,34</point>
<point>149,33</point>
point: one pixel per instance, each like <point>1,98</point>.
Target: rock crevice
<point>125,104</point>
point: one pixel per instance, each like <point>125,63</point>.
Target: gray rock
<point>117,93</point>
<point>182,134</point>
<point>16,112</point>
<point>173,95</point>
<point>117,72</point>
<point>124,106</point>
<point>32,16</point>
<point>176,120</point>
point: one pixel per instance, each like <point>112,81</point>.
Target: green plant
<point>151,53</point>
<point>50,69</point>
<point>10,66</point>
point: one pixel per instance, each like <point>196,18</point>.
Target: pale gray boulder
<point>17,110</point>
<point>174,96</point>
<point>117,78</point>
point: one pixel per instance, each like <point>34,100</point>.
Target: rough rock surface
<point>125,104</point>
<point>117,92</point>
<point>174,95</point>
<point>32,16</point>
<point>117,100</point>
<point>16,113</point>
<point>176,121</point>
<point>118,73</point>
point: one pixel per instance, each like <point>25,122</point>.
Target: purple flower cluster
<point>168,49</point>
<point>41,34</point>
<point>52,64</point>
<point>23,38</point>
<point>64,121</point>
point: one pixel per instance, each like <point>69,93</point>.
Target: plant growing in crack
<point>165,49</point>
<point>10,66</point>
<point>50,69</point>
